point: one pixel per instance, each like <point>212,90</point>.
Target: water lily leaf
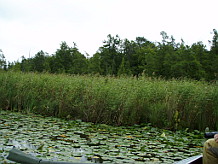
<point>163,135</point>
<point>77,140</point>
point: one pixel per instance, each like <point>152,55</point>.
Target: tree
<point>68,60</point>
<point>138,54</point>
<point>187,64</point>
<point>94,64</point>
<point>178,60</point>
<point>79,63</point>
<point>14,66</point>
<point>124,68</point>
<point>165,55</point>
<point>2,60</point>
<point>167,58</point>
<point>63,58</point>
<point>110,55</point>
<point>214,57</point>
<point>40,63</point>
<point>130,57</point>
<point>151,67</point>
<point>144,55</point>
<point>202,56</point>
<point>26,64</point>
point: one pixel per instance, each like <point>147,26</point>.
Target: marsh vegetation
<point>172,104</point>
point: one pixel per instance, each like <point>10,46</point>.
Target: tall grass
<point>172,104</point>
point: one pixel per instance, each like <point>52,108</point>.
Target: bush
<point>172,104</point>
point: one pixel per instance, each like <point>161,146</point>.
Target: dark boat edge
<point>191,160</point>
<point>20,157</point>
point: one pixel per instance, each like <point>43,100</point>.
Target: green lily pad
<point>80,141</point>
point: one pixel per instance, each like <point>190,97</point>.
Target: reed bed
<point>172,104</point>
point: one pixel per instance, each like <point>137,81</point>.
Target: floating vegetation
<point>76,141</point>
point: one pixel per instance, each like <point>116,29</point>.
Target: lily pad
<point>74,140</point>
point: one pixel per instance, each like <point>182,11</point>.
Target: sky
<point>29,26</point>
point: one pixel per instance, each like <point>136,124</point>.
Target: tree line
<point>167,59</point>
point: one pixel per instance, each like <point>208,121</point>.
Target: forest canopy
<point>167,59</point>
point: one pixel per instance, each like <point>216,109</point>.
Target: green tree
<point>151,58</point>
<point>130,57</point>
<point>26,64</point>
<point>63,57</point>
<point>110,55</point>
<point>14,66</point>
<point>187,64</point>
<point>213,57</point>
<point>202,56</point>
<point>165,55</point>
<point>124,68</point>
<point>40,63</point>
<point>145,52</point>
<point>138,54</point>
<point>2,60</point>
<point>79,63</point>
<point>69,60</point>
<point>179,60</point>
<point>94,64</point>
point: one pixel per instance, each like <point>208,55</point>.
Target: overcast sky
<point>28,26</point>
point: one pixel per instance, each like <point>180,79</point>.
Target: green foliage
<point>69,60</point>
<point>110,55</point>
<point>117,57</point>
<point>2,60</point>
<point>124,68</point>
<point>39,62</point>
<point>172,104</point>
